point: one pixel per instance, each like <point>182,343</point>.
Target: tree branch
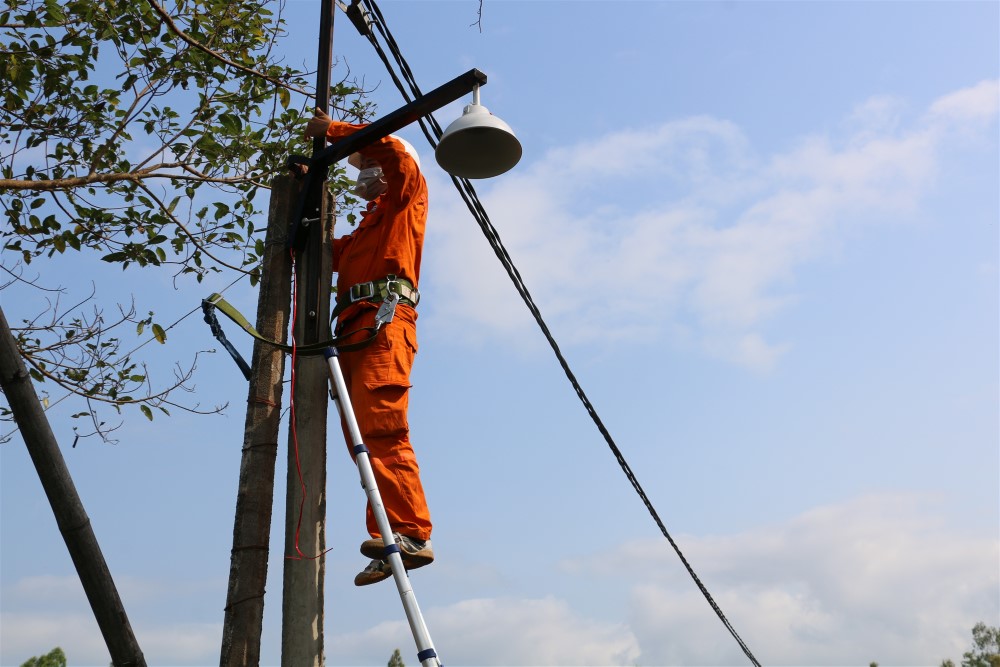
<point>169,21</point>
<point>187,232</point>
<point>117,177</point>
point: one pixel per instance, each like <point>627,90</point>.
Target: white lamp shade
<point>478,145</point>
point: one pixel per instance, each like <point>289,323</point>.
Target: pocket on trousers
<point>386,414</point>
<point>392,355</point>
<point>388,384</point>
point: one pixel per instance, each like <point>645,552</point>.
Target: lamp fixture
<point>478,144</point>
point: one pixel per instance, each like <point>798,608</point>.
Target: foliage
<point>54,658</point>
<point>138,133</point>
<point>986,647</point>
<point>396,660</point>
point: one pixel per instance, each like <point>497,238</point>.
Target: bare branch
<point>187,232</point>
<point>479,21</point>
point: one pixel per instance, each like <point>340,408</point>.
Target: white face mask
<point>370,183</point>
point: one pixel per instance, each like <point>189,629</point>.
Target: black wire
<point>468,194</point>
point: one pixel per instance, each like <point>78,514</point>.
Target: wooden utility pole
<point>241,630</point>
<point>72,519</point>
<point>305,498</point>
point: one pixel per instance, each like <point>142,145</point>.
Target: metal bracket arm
<point>400,118</point>
<point>383,127</point>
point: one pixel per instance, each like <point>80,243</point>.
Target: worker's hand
<point>318,125</point>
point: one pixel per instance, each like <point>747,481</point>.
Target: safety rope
<point>468,194</point>
<point>216,302</point>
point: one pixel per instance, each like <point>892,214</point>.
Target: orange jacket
<point>390,237</point>
<point>388,240</point>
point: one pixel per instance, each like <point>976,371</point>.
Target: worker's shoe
<point>376,571</point>
<point>415,553</point>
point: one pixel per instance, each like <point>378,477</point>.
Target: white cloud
<point>879,578</point>
<point>48,589</point>
<point>878,116</point>
<point>504,631</point>
<point>181,643</point>
<point>978,103</point>
<point>882,578</point>
<point>44,611</point>
<point>27,634</point>
<point>23,635</point>
<point>682,226</point>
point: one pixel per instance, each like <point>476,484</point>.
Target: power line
<point>468,194</point>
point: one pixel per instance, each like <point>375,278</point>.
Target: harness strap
<point>215,301</point>
<point>213,323</point>
<point>377,290</point>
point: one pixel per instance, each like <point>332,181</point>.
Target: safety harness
<point>378,290</point>
<point>389,292</point>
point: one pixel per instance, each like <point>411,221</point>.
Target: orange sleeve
<point>397,165</point>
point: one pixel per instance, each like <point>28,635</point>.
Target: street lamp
<point>478,145</point>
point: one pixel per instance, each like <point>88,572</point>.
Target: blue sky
<point>765,235</point>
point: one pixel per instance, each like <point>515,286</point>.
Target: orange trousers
<point>378,381</point>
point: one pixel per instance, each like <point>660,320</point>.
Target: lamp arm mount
<point>400,118</point>
<point>315,177</point>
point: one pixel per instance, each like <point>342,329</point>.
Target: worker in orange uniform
<point>383,253</point>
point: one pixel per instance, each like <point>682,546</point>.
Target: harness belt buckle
<point>362,292</point>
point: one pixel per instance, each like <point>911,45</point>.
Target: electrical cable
<point>471,199</point>
<point>292,425</point>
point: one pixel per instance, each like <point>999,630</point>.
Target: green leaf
<point>55,11</point>
<point>146,411</point>
<point>85,81</point>
<point>231,122</point>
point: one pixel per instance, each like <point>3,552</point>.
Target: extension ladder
<point>338,392</point>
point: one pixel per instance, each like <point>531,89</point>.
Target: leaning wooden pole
<point>241,629</point>
<point>72,519</point>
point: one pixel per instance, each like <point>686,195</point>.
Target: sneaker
<point>376,571</point>
<point>415,553</point>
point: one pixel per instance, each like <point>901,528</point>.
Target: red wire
<point>292,422</point>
